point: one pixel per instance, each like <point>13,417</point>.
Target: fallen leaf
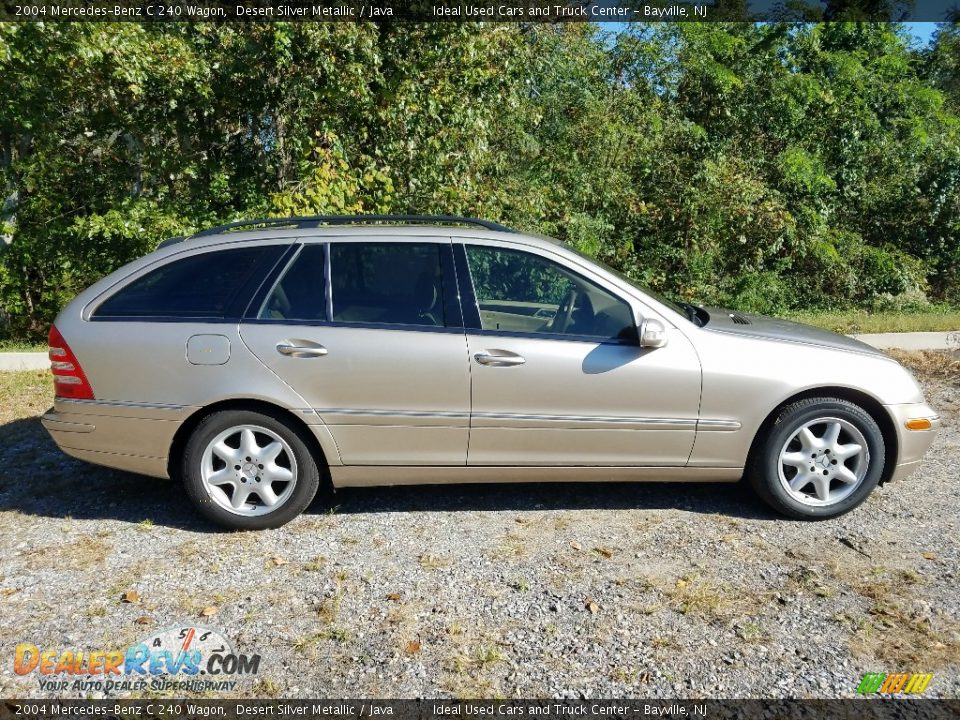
<point>604,552</point>
<point>277,560</point>
<point>208,611</point>
<point>130,596</point>
<point>144,620</point>
<point>395,597</point>
<point>413,647</point>
<point>930,556</point>
<point>576,546</point>
<point>590,604</point>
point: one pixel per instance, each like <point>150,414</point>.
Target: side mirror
<point>653,334</point>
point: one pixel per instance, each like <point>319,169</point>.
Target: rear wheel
<point>821,458</point>
<point>249,470</point>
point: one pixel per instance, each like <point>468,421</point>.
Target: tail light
<point>69,382</point>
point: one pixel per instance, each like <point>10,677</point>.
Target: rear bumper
<point>97,433</point>
<point>912,444</point>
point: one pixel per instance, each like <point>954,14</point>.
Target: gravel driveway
<point>539,590</point>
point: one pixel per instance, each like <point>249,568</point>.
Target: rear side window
<point>199,286</point>
<point>393,283</point>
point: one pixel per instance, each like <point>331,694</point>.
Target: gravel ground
<point>551,590</point>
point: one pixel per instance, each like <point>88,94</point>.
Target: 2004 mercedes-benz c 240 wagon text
<point>257,359</point>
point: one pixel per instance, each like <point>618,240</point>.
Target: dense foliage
<point>769,167</point>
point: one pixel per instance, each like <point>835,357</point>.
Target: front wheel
<point>821,458</point>
<point>248,470</point>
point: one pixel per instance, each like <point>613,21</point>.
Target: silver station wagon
<point>257,360</point>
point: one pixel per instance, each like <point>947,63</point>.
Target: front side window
<point>521,292</point>
<point>382,282</point>
<point>198,286</point>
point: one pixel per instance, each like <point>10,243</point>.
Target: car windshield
<point>645,290</point>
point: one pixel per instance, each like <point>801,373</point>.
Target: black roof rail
<point>172,241</point>
<point>313,221</point>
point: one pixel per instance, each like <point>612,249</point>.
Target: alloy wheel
<point>248,470</point>
<point>824,461</point>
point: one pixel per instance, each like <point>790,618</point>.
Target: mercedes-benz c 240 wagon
<point>259,359</point>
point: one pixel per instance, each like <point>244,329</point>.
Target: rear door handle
<point>301,349</point>
<point>499,358</point>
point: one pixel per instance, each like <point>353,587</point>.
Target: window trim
<point>471,308</point>
<point>255,306</point>
<point>262,268</point>
<point>269,280</point>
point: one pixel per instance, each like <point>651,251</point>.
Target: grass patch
<point>810,579</point>
<point>898,628</point>
<point>751,632</point>
<point>521,585</point>
<point>851,322</point>
<point>96,611</point>
<point>513,546</point>
<point>265,687</point>
<point>188,551</point>
<point>931,363</point>
<point>22,346</point>
<point>307,645</point>
<point>711,601</point>
<point>434,562</point>
<point>315,565</point>
<point>85,553</point>
<point>27,393</point>
<point>481,658</point>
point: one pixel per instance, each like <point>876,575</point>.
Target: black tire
<point>299,497</point>
<point>764,469</point>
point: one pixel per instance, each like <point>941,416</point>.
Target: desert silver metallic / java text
<point>824,461</point>
<point>248,470</point>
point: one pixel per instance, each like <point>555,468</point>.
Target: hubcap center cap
<point>823,462</point>
<point>250,470</point>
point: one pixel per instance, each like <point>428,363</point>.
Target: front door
<point>557,375</point>
<point>369,334</point>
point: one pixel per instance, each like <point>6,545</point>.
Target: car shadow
<point>732,499</point>
<point>36,478</point>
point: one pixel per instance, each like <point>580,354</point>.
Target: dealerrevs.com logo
<point>893,683</point>
<point>177,658</point>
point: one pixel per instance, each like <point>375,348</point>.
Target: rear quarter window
<point>207,285</point>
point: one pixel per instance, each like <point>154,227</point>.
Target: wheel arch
<point>187,427</point>
<point>870,404</point>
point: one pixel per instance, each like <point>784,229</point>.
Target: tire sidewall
<point>308,475</point>
<point>787,424</point>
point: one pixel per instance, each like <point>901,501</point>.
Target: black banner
<point>525,11</point>
<point>157,709</point>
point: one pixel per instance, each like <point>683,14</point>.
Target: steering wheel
<point>565,311</point>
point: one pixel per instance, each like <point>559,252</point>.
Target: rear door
<point>558,376</point>
<point>370,334</point>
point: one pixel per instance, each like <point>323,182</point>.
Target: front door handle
<point>499,358</point>
<point>301,348</point>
